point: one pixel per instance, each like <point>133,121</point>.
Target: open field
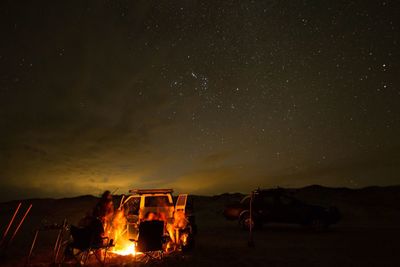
<point>368,235</point>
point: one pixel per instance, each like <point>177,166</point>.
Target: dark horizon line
<point>225,193</point>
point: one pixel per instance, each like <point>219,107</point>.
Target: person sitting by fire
<point>179,222</point>
<point>104,210</point>
<point>151,216</point>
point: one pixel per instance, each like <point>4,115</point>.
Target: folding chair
<point>59,244</point>
<point>151,239</point>
<point>88,241</point>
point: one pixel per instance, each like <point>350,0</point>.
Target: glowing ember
<point>126,251</point>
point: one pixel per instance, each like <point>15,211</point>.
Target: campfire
<point>118,232</point>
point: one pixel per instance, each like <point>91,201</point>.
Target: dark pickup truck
<point>276,206</point>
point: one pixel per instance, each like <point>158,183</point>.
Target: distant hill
<point>379,206</point>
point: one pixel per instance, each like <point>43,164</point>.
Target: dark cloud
<point>202,96</point>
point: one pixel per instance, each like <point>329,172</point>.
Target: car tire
<point>318,224</point>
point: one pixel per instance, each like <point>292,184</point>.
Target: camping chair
<point>150,240</point>
<point>88,241</point>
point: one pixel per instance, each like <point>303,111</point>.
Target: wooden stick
<point>10,223</point>
<point>32,246</point>
<point>20,223</point>
<point>59,241</point>
<point>120,203</point>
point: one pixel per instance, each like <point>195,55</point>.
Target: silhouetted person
<point>104,210</point>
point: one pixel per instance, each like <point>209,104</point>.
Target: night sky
<point>202,96</point>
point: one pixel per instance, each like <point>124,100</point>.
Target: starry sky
<point>201,96</point>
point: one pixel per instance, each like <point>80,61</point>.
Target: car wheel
<point>318,224</point>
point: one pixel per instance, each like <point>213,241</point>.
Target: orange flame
<point>125,249</point>
<point>123,246</point>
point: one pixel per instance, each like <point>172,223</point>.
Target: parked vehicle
<point>277,206</point>
<point>158,204</point>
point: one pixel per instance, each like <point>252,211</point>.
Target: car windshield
<point>133,206</point>
<point>157,201</point>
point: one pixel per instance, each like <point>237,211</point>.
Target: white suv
<point>158,204</point>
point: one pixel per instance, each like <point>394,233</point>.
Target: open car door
<point>181,203</point>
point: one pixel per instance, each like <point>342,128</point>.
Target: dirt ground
<point>356,241</point>
<point>292,246</point>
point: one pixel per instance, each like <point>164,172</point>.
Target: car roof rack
<point>150,191</point>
